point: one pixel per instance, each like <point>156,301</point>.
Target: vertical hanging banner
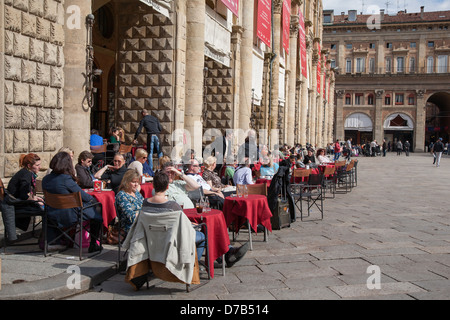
<point>302,42</point>
<point>319,71</point>
<point>233,5</point>
<point>264,23</point>
<point>286,24</point>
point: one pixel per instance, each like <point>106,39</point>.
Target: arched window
<point>411,99</point>
<point>348,99</point>
<point>370,99</point>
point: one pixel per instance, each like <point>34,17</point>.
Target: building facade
<point>393,75</point>
<point>195,65</point>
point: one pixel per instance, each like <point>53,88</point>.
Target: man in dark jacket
<point>438,148</point>
<point>153,129</point>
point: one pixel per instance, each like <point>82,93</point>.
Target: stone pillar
<point>340,130</point>
<point>313,105</point>
<point>378,121</point>
<point>293,45</point>
<point>419,138</point>
<point>76,112</point>
<point>236,47</point>
<point>303,110</point>
<point>331,106</point>
<point>195,63</point>
<point>276,43</point>
<point>246,57</point>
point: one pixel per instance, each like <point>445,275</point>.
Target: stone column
<point>378,121</point>
<point>340,130</point>
<point>419,139</point>
<point>276,43</point>
<point>246,57</point>
<point>195,63</point>
<point>76,112</point>
<point>303,110</point>
<point>331,106</point>
<point>313,105</point>
<point>293,45</point>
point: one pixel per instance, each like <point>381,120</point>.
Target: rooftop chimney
<point>422,10</point>
<point>352,15</point>
<point>381,14</point>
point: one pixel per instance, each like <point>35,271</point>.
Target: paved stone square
<point>397,218</point>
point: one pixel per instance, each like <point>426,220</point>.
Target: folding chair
<point>13,209</point>
<point>126,151</point>
<point>99,153</point>
<point>68,201</point>
<point>312,193</point>
<point>341,177</point>
<point>329,181</point>
<point>355,173</point>
<point>296,185</point>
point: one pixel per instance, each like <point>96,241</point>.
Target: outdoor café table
<point>146,190</point>
<point>254,209</point>
<point>107,199</point>
<point>218,238</point>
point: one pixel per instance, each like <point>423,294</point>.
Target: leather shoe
<point>235,254</point>
<point>93,247</point>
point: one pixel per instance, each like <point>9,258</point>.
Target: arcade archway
<point>437,124</point>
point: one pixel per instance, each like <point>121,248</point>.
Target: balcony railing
<point>399,71</point>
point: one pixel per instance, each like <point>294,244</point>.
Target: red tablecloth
<point>107,199</point>
<point>218,239</point>
<point>146,190</point>
<point>254,208</point>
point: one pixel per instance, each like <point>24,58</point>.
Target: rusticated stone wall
<point>145,79</point>
<point>33,80</point>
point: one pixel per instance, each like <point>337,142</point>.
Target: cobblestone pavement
<point>397,219</point>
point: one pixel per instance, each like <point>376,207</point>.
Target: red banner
<point>324,78</point>
<point>286,24</point>
<point>319,71</point>
<point>233,5</point>
<point>302,36</point>
<point>264,21</point>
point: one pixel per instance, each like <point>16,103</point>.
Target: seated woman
<point>129,199</point>
<point>268,167</point>
<point>322,158</point>
<point>23,187</point>
<point>160,203</point>
<point>114,136</point>
<point>309,159</point>
<point>227,177</point>
<point>141,156</point>
<point>210,176</point>
<point>83,170</point>
<point>62,180</point>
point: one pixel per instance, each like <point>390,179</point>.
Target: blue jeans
<point>200,243</point>
<point>336,156</point>
<point>153,145</point>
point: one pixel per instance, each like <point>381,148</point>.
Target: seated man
<point>243,174</point>
<point>216,198</point>
<point>179,188</point>
<point>113,174</point>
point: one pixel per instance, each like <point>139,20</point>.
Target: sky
<point>394,6</point>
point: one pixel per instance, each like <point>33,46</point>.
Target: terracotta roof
<point>398,18</point>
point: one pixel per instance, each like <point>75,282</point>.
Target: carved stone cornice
<point>421,92</point>
<point>295,26</point>
<point>340,93</point>
<point>379,93</point>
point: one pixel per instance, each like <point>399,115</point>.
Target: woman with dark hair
<point>62,180</point>
<point>22,186</point>
<point>83,170</point>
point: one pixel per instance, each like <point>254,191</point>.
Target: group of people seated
<point>171,193</point>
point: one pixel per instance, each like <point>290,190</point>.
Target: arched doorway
<point>359,127</point>
<point>437,123</point>
<point>399,126</point>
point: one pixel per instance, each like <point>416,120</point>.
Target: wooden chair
<point>67,201</point>
<point>125,150</point>
<point>296,186</point>
<point>260,189</point>
<point>99,153</point>
<point>313,194</point>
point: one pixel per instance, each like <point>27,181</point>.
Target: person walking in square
<point>153,129</point>
<point>438,148</point>
<point>407,146</point>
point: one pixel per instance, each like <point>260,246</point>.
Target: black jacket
<point>84,176</point>
<point>151,125</point>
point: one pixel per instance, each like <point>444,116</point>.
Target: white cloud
<point>411,5</point>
